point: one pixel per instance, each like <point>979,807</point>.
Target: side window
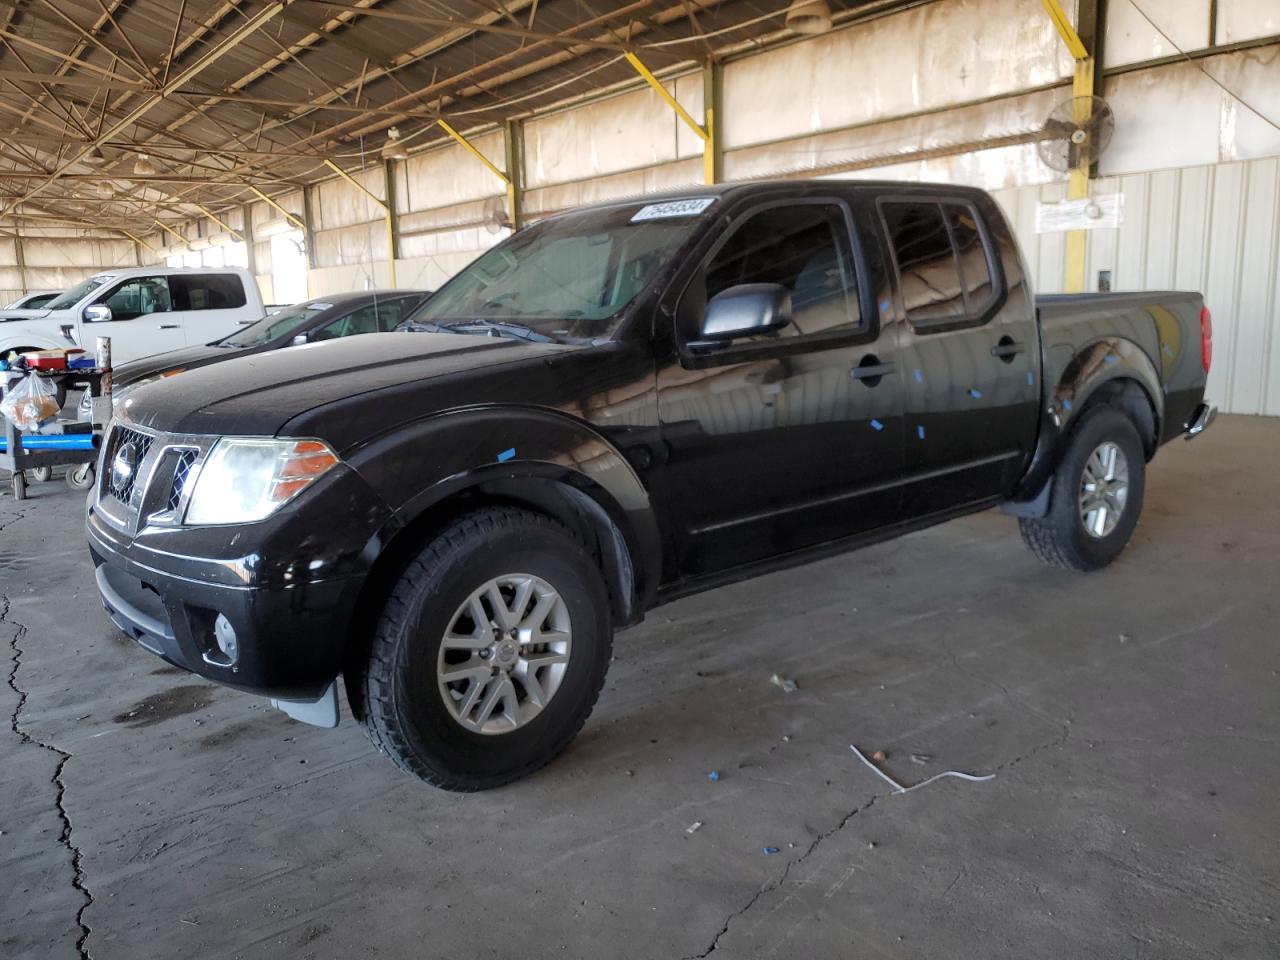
<point>213,291</point>
<point>391,312</point>
<point>363,320</point>
<point>975,263</point>
<point>928,272</point>
<point>804,247</point>
<point>138,297</point>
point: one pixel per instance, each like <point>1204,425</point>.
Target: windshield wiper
<point>492,328</point>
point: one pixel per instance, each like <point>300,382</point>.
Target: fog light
<point>225,635</point>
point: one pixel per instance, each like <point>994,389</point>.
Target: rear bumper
<point>1201,419</point>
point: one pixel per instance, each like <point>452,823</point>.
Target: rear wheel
<point>41,474</point>
<point>1096,497</point>
<point>490,653</point>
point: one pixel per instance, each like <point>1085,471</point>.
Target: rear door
<point>143,321</point>
<point>969,353</point>
<point>778,442</point>
<point>210,305</point>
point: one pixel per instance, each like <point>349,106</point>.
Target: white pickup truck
<point>144,310</point>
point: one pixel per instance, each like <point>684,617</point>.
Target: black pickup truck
<point>614,407</point>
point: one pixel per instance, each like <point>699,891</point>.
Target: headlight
<point>246,479</point>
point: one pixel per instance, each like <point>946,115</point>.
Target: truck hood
<point>257,395</point>
<point>7,315</point>
<point>184,358</point>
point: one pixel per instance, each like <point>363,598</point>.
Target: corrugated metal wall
<point>1215,229</point>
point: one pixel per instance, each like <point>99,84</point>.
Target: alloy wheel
<point>504,654</point>
<point>1104,488</point>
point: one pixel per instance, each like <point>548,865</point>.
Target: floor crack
<point>15,724</point>
<point>772,885</point>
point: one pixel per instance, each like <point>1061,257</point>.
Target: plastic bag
<point>32,402</point>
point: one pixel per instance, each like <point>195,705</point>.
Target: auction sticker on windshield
<point>673,208</point>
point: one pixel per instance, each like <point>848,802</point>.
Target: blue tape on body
<point>920,431</point>
<point>919,377</point>
<point>976,394</point>
<point>1066,404</point>
<point>877,425</point>
<point>506,455</point>
<point>1109,358</point>
<point>1030,379</point>
<point>884,306</point>
<point>1168,350</point>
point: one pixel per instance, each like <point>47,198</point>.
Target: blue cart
<point>76,447</point>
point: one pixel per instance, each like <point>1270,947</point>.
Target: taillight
<point>1206,338</point>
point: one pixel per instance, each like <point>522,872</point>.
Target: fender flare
<point>507,451</point>
<point>13,339</point>
<point>1106,364</point>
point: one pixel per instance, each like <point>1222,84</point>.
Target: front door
<point>782,441</point>
<point>968,353</point>
<point>142,322</point>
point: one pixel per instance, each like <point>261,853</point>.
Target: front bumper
<point>289,594</point>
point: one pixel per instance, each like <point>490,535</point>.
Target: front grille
<point>134,445</point>
<point>181,471</point>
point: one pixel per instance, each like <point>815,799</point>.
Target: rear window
<point>943,259</point>
<point>212,291</point>
<point>975,264</point>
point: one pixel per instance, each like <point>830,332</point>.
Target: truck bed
<point>1164,325</point>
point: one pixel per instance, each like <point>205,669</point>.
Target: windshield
<point>287,321</point>
<point>77,293</point>
<point>569,276</point>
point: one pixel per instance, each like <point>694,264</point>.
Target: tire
<point>41,474</point>
<point>409,715</point>
<point>80,477</point>
<point>1062,537</point>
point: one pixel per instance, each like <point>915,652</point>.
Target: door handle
<point>168,326</point>
<point>870,371</point>
<point>1007,349</point>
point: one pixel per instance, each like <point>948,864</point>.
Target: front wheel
<point>1096,496</point>
<point>490,652</point>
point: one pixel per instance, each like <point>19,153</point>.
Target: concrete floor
<point>1129,718</point>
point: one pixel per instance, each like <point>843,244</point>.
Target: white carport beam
<point>180,79</point>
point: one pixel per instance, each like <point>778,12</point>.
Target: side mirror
<point>299,340</point>
<point>743,311</point>
<point>97,313</point>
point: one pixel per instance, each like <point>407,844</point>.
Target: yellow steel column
<point>1082,86</point>
<point>712,148</point>
<point>1078,179</point>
